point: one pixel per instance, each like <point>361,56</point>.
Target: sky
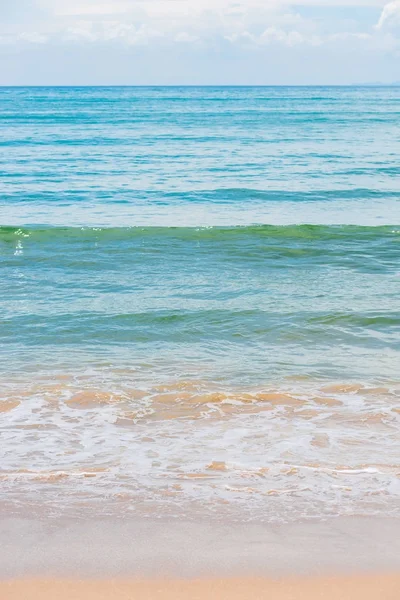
<point>199,42</point>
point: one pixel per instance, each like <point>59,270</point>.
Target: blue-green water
<point>159,246</point>
<point>241,305</point>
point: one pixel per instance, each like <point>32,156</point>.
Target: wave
<point>212,328</point>
<point>217,196</point>
<point>268,232</point>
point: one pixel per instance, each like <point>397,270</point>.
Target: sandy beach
<point>199,300</point>
<point>371,587</point>
<point>109,559</point>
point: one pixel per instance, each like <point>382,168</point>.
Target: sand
<point>144,549</point>
<point>108,559</point>
<point>364,587</point>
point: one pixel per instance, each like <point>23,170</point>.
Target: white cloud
<point>33,37</point>
<point>241,31</point>
<point>390,15</point>
<point>290,38</point>
<point>274,35</point>
<point>106,31</point>
<point>185,38</point>
<point>91,8</point>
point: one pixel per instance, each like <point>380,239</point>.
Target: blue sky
<point>75,42</point>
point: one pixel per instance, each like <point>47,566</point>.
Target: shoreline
<point>148,549</point>
<point>357,587</point>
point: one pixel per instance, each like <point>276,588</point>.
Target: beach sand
<point>365,587</point>
<point>113,559</point>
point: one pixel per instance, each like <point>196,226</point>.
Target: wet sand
<point>76,548</point>
<point>354,558</point>
<point>366,587</point>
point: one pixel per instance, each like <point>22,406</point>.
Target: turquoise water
<point>242,305</point>
<point>175,253</point>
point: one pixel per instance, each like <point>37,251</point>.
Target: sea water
<point>199,301</point>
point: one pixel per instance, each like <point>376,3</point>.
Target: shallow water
<point>199,300</point>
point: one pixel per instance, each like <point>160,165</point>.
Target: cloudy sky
<point>75,42</point>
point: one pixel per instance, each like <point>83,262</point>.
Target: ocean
<point>199,301</point>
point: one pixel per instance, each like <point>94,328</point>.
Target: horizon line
<point>203,85</point>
